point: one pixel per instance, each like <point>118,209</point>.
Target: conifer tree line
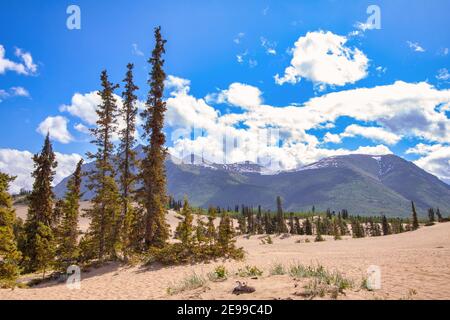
<point>252,220</point>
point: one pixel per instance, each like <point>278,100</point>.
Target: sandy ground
<point>414,265</point>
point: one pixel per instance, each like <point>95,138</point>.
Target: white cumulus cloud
<point>415,46</point>
<point>437,162</point>
<point>57,128</point>
<point>323,58</point>
<point>20,164</point>
<point>25,67</point>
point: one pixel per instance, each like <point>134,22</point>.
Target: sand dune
<point>413,265</point>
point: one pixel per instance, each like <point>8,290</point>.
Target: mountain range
<point>362,184</point>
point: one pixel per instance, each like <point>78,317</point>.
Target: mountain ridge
<point>362,184</point>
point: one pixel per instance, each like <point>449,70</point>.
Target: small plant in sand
<point>317,288</point>
<point>319,238</point>
<point>219,274</point>
<point>192,282</point>
<point>277,270</point>
<point>410,295</point>
<point>365,284</point>
<point>320,273</point>
<point>250,271</point>
<point>267,240</point>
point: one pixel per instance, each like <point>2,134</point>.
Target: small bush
<point>250,271</point>
<point>267,240</point>
<point>191,282</point>
<point>317,288</point>
<point>319,238</point>
<point>219,274</point>
<point>320,273</point>
<point>365,284</point>
<point>277,270</point>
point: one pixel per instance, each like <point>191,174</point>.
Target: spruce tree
<point>291,224</point>
<point>259,221</point>
<point>415,224</point>
<point>385,226</point>
<point>210,227</point>
<point>38,247</point>
<point>336,230</point>
<point>201,230</point>
<point>439,215</point>
<point>106,203</point>
<point>308,227</point>
<point>10,256</point>
<point>281,223</point>
<point>185,228</point>
<point>431,215</point>
<point>226,234</point>
<point>129,218</point>
<point>68,251</point>
<point>298,228</point>
<point>319,237</point>
<point>153,194</point>
<point>242,222</point>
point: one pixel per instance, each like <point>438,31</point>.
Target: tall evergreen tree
<point>431,215</point>
<point>281,223</point>
<point>38,247</point>
<point>210,227</point>
<point>308,227</point>
<point>106,204</point>
<point>226,234</point>
<point>415,224</point>
<point>259,221</point>
<point>185,228</point>
<point>129,219</point>
<point>9,254</point>
<point>385,226</point>
<point>291,224</point>
<point>439,215</point>
<point>336,229</point>
<point>68,251</point>
<point>153,194</point>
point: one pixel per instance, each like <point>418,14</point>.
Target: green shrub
<point>277,270</point>
<point>220,273</point>
<point>250,271</point>
<point>192,282</point>
<point>323,275</point>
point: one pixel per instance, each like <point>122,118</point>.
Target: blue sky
<point>214,44</point>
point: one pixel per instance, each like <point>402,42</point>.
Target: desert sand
<point>414,265</point>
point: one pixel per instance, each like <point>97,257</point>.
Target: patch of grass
<point>267,240</point>
<point>277,270</point>
<point>219,274</point>
<point>320,273</point>
<point>319,238</point>
<point>410,295</point>
<point>365,284</point>
<point>194,281</point>
<point>317,288</point>
<point>250,271</point>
